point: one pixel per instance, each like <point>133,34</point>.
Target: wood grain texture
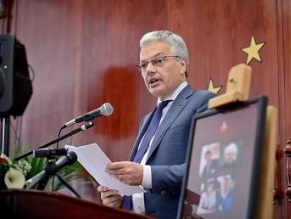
<point>84,53</point>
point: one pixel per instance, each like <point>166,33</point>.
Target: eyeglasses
<point>157,62</point>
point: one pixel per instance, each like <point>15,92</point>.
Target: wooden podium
<point>18,203</point>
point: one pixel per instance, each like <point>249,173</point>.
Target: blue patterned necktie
<point>150,132</point>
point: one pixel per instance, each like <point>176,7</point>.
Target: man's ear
<point>183,66</point>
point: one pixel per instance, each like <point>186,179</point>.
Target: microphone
<point>51,168</point>
<point>105,110</point>
<point>49,152</point>
<point>63,161</point>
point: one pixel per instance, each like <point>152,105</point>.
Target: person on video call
<point>164,68</point>
<point>230,155</point>
<point>207,202</point>
<point>225,195</point>
<point>210,166</point>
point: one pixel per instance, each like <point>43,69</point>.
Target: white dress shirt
<point>138,199</point>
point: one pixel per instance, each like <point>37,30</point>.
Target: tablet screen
<point>223,161</point>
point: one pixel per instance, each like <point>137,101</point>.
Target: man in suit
<point>224,197</point>
<point>163,66</point>
<point>211,165</point>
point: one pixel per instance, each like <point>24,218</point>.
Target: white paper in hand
<point>94,160</point>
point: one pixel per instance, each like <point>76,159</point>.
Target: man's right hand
<point>110,197</point>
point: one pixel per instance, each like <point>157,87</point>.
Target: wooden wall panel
<point>217,34</point>
<point>84,52</point>
<point>285,94</point>
<point>52,41</point>
<point>285,83</point>
<point>76,45</point>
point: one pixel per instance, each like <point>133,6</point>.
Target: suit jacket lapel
<point>143,127</point>
<point>178,104</point>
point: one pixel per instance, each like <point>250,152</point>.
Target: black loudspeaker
<point>15,83</point>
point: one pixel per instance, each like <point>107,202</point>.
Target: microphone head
<point>53,167</point>
<point>106,109</point>
<point>72,156</point>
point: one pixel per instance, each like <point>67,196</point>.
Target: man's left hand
<point>128,172</point>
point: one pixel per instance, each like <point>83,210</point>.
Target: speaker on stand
<point>15,83</point>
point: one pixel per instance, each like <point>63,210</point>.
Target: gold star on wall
<point>213,89</point>
<point>253,50</point>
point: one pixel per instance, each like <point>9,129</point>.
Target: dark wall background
<point>83,53</point>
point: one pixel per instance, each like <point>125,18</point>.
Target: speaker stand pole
<point>5,135</point>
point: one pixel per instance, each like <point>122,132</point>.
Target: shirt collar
<point>175,93</point>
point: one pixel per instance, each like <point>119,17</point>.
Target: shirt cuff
<point>147,177</point>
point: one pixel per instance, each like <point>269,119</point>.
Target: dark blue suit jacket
<point>168,152</point>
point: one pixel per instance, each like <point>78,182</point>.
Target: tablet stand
<point>238,89</point>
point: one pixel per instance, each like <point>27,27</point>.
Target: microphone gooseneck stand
<point>40,180</point>
<point>88,125</point>
<point>50,169</point>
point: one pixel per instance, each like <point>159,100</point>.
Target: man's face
<point>230,157</point>
<point>161,81</point>
<point>224,186</point>
<point>208,158</point>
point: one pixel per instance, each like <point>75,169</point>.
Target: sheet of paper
<point>94,160</point>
